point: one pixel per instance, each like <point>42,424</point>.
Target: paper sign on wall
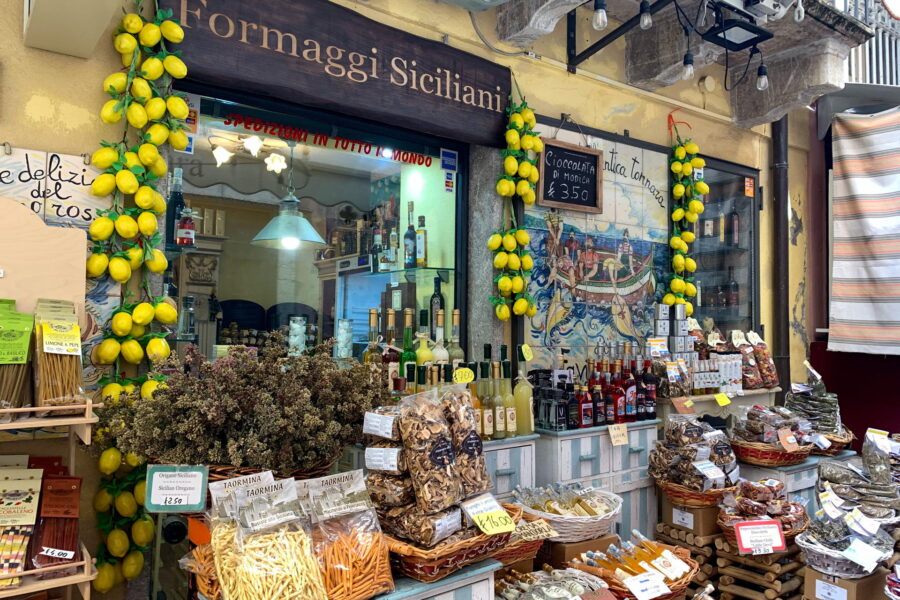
<point>618,433</point>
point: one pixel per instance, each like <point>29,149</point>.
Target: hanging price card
<point>863,554</point>
<point>488,515</point>
<point>527,352</point>
<point>647,586</point>
<point>787,439</point>
<point>176,489</point>
<point>618,433</point>
<point>760,537</point>
<point>533,531</point>
<point>684,406</point>
<point>463,375</point>
<point>723,399</point>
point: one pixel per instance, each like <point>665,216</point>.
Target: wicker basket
<point>731,536</point>
<point>445,559</point>
<point>522,549</point>
<point>832,562</point>
<point>615,586</point>
<point>682,496</point>
<point>578,529</point>
<point>838,443</point>
<point>220,472</point>
<point>768,455</point>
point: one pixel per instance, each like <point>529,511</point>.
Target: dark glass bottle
<point>437,303</point>
<point>599,406</point>
<point>409,242</point>
<point>732,289</point>
<point>585,407</point>
<point>572,409</point>
<point>409,351</point>
<point>650,383</point>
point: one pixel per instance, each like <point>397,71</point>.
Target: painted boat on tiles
<point>631,288</point>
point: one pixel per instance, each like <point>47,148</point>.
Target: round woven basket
<point>620,591</point>
<point>768,455</point>
<point>220,472</point>
<point>731,536</point>
<point>838,443</point>
<point>519,550</point>
<point>682,496</point>
<point>578,529</point>
<point>832,562</point>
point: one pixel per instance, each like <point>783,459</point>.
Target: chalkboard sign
<point>571,177</point>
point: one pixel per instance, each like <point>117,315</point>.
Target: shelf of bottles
<point>724,252</point>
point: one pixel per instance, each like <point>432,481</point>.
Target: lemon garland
<point>509,243</point>
<point>687,191</point>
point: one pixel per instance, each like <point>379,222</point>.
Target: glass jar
<point>296,335</point>
<point>187,325</point>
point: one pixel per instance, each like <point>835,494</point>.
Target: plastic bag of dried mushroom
<point>456,403</point>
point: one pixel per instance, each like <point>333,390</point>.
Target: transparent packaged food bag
<point>353,556</point>
<point>57,360</point>
<point>388,491</point>
<point>426,530</point>
<point>16,350</point>
<point>471,465</point>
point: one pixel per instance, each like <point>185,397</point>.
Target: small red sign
<point>760,537</point>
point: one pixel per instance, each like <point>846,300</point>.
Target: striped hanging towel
<point>865,274</point>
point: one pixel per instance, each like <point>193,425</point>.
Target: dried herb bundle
<point>263,410</point>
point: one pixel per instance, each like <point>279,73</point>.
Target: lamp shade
<point>288,229</point>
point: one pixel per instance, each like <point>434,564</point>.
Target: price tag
<point>488,515</point>
<point>821,441</point>
<point>787,439</point>
<point>618,433</point>
<point>708,469</point>
<point>57,553</point>
<point>863,554</point>
<point>684,406</point>
<point>860,523</point>
<point>527,352</point>
<point>682,518</point>
<point>536,530</point>
<point>829,591</point>
<point>379,425</point>
<point>723,399</point>
<point>812,371</point>
<point>647,586</point>
<point>832,496</point>
<point>176,489</point>
<point>760,537</point>
<point>463,375</point>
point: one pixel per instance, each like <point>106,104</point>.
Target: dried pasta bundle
<point>57,377</point>
<point>353,555</point>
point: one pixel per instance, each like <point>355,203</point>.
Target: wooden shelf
<point>712,397</point>
<point>79,424</point>
<point>32,584</point>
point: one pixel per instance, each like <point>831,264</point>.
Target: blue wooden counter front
<point>458,586</point>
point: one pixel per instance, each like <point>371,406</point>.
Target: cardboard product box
<point>700,521</point>
<point>679,311</point>
<point>679,327</point>
<point>661,311</point>
<point>676,344</point>
<point>523,566</point>
<point>557,554</point>
<point>819,586</point>
<point>661,328</point>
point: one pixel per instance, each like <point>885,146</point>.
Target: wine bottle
<point>409,350</point>
<point>391,357</point>
<point>441,355</point>
<point>455,352</point>
<point>372,354</point>
<point>409,241</point>
<point>436,304</point>
<point>421,244</point>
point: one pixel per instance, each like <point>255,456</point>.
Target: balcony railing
<point>878,60</point>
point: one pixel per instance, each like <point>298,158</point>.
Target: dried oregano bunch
<point>264,410</point>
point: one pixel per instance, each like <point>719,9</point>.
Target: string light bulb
<point>762,77</point>
<point>275,162</point>
<point>222,155</point>
<point>687,70</point>
<point>599,21</point>
<point>646,17</point>
<point>253,144</point>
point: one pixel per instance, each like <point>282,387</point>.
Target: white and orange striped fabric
<point>865,274</point>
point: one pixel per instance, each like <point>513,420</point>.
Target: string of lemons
<point>687,191</point>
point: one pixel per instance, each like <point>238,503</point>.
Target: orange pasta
<point>353,556</point>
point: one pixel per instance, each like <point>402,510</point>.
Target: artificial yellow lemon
<point>97,263</point>
<point>171,31</point>
<point>175,67</point>
<point>510,165</point>
<point>148,154</point>
<point>538,147</point>
<point>132,160</point>
<point>110,460</point>
<point>501,187</point>
<point>157,134</point>
<point>510,188</point>
<point>115,82</point>
<point>178,108</point>
<point>695,206</point>
<point>105,579</point>
<point>137,331</point>
<point>676,285</point>
<point>121,324</point>
<point>688,308</point>
<point>152,68</point>
<point>522,237</point>
<point>686,169</point>
<point>527,142</point>
<point>155,109</point>
<point>698,163</point>
<point>504,284</point>
<point>102,500</point>
<point>691,148</point>
<point>178,139</point>
<point>111,391</point>
<point>144,197</point>
<point>143,313</point>
<point>534,176</point>
<point>512,137</point>
<point>678,214</point>
<point>529,197</point>
<point>500,260</point>
<point>101,227</point>
<point>107,351</point>
<point>140,492</point>
<point>688,236</point>
<point>701,188</point>
<point>527,262</point>
<point>133,564</point>
<point>513,262</point>
<point>125,43</point>
<point>130,58</point>
<point>140,89</point>
<point>528,116</point>
<point>509,242</point>
<point>158,263</point>
<point>135,257</point>
<point>132,352</point>
<point>159,168</point>
<point>680,152</point>
<point>532,310</point>
<point>128,388</point>
<point>690,265</point>
<point>679,300</point>
<point>147,223</point>
<point>668,299</point>
<point>149,387</point>
<point>150,35</point>
<point>524,169</point>
<point>690,290</point>
<point>132,23</point>
<point>520,306</point>
<point>502,312</point>
<point>675,242</point>
<point>110,113</point>
<point>494,242</point>
<point>120,578</point>
<point>516,121</point>
<point>518,284</point>
<point>691,217</point>
<point>678,263</point>
<point>142,530</point>
<point>677,191</point>
<point>117,543</point>
<point>675,167</point>
<point>103,158</point>
<point>126,226</point>
<point>133,460</point>
<point>165,313</point>
<point>522,187</point>
<point>125,504</point>
<point>119,269</point>
<point>136,115</point>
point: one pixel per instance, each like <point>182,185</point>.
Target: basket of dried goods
<point>762,501</point>
<point>838,442</point>
<point>771,437</point>
<point>826,541</point>
<point>694,465</point>
<point>822,409</point>
<point>519,549</point>
<point>415,559</point>
<point>575,513</point>
<point>617,565</point>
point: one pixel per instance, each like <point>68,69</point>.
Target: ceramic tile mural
<point>596,277</point>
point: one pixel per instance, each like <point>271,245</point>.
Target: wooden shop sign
<point>318,54</point>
